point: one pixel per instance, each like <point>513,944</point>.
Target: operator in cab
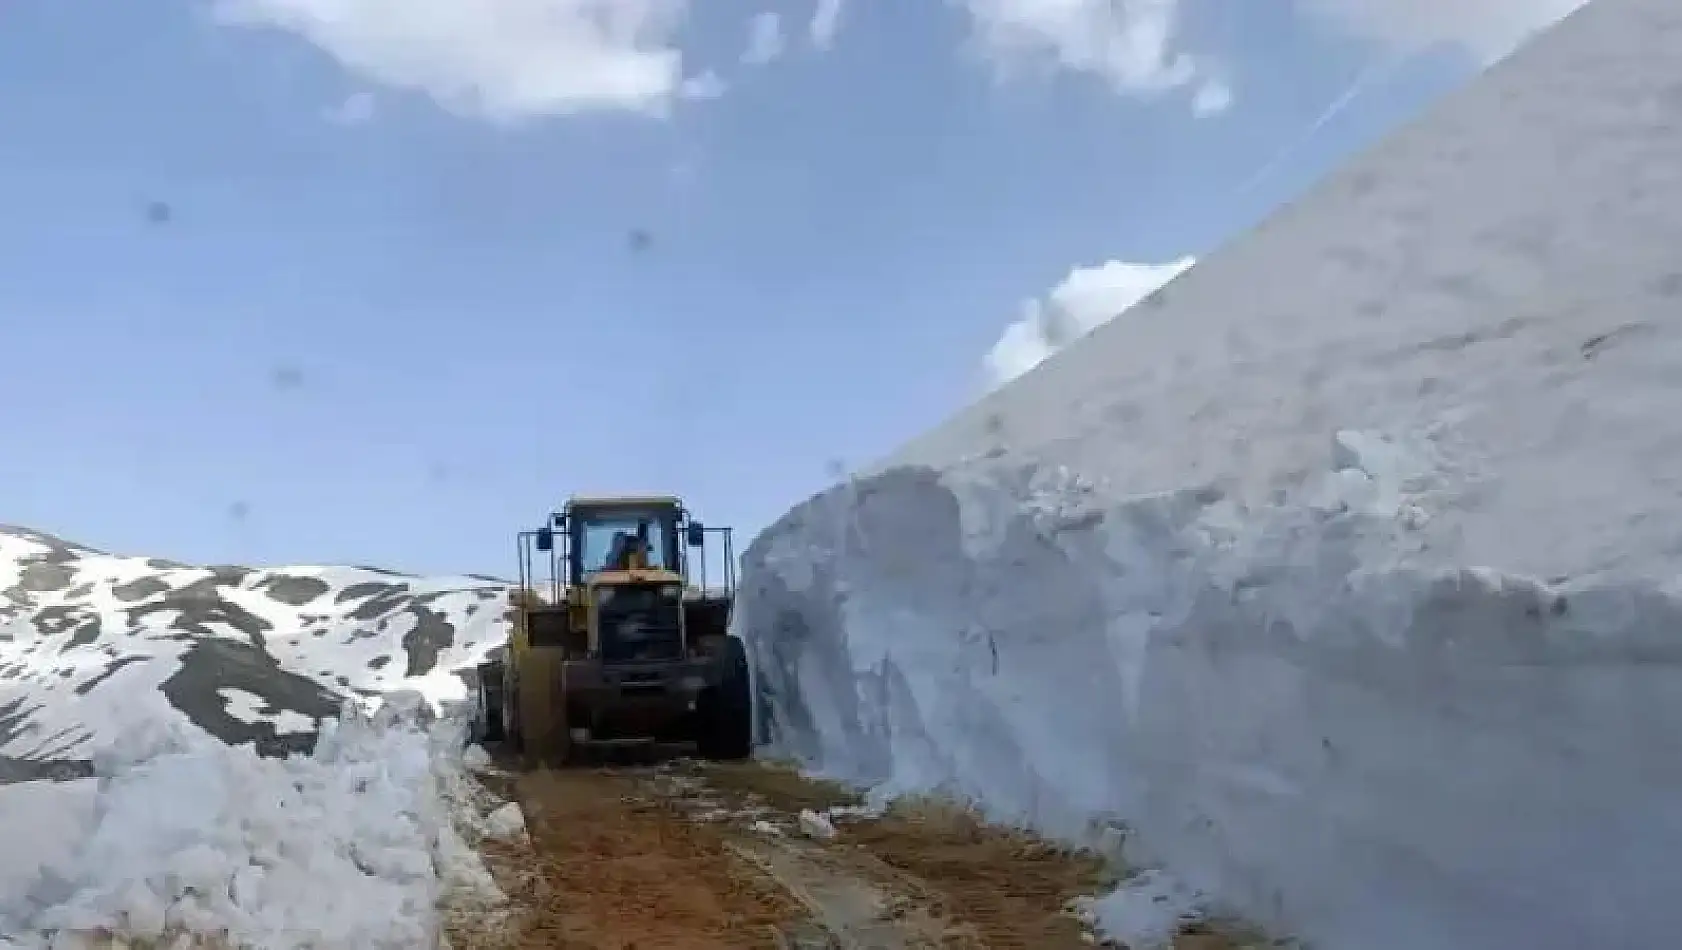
<point>629,552</point>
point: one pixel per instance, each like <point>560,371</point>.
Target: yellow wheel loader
<point>620,641</point>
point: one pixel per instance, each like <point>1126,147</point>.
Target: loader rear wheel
<point>488,703</point>
<point>725,710</point>
<point>512,737</point>
<point>560,752</point>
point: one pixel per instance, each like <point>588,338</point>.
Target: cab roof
<point>623,501</point>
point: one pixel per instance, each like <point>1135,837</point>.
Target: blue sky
<point>385,323</point>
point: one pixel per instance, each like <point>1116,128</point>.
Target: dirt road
<point>718,857</point>
<point>618,868</point>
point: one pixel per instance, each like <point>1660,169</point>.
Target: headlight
<point>672,591</point>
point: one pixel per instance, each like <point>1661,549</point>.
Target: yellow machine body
<point>624,644</point>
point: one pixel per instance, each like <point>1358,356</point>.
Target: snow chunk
<point>1145,912</point>
<point>507,821</point>
<point>476,758</point>
<point>815,825</point>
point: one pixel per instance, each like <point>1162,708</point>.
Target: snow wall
<point>1343,572</point>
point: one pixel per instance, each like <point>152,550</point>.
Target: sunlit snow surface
<point>1341,576</point>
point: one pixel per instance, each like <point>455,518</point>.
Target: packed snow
<point>1337,580</point>
<point>269,758</point>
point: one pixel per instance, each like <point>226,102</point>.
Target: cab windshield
<point>601,535</point>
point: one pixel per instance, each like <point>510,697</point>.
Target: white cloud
<point>1132,44</point>
<point>1213,98</point>
<point>826,22</point>
<point>708,85</point>
<point>1485,29</point>
<point>502,60</point>
<point>1086,298</point>
<point>765,39</point>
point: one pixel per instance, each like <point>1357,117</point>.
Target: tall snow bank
<point>351,847</point>
<point>1283,659</point>
<point>1287,705</point>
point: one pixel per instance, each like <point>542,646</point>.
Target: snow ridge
<point>91,642</point>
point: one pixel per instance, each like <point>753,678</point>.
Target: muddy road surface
<point>746,856</point>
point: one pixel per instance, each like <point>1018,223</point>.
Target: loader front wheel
<point>725,710</point>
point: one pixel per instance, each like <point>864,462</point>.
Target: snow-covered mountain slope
<point>92,642</point>
<point>1343,572</point>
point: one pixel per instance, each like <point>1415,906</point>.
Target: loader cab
<point>586,536</point>
<point>628,580</point>
<point>620,540</point>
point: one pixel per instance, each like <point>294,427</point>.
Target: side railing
<point>701,573</point>
<point>547,579</point>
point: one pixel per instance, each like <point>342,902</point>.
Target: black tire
<point>725,710</point>
<point>488,703</point>
<point>512,740</point>
<point>561,751</point>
